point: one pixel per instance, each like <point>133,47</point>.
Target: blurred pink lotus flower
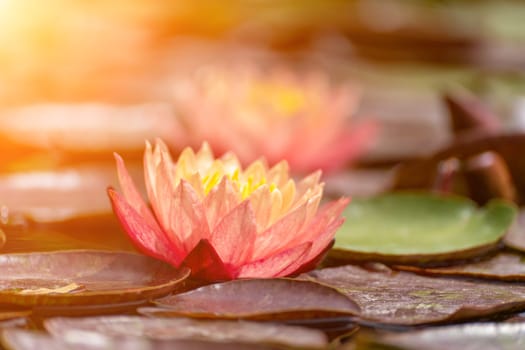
<point>276,114</point>
<point>225,222</point>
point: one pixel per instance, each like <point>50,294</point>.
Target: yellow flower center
<point>270,190</point>
<point>210,181</point>
<point>246,185</point>
<point>251,185</point>
<point>285,100</point>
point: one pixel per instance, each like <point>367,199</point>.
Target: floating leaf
<point>420,173</point>
<point>104,278</point>
<point>60,209</point>
<point>84,232</point>
<point>503,266</point>
<point>95,130</point>
<point>18,339</point>
<point>60,194</point>
<point>20,322</point>
<point>486,176</point>
<point>516,318</point>
<point>72,287</point>
<point>12,314</point>
<point>14,318</point>
<point>2,238</point>
<point>469,114</point>
<point>420,228</point>
<point>333,327</point>
<point>515,237</point>
<point>357,182</point>
<point>403,298</point>
<point>185,328</point>
<point>486,336</point>
<point>256,299</point>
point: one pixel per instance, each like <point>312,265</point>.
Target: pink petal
<point>164,192</point>
<point>162,197</point>
<point>261,200</point>
<point>150,170</point>
<point>307,183</point>
<point>234,236</point>
<point>325,125</point>
<point>298,264</point>
<point>132,195</point>
<point>280,235</point>
<point>195,182</point>
<point>158,178</point>
<point>278,174</point>
<point>220,201</point>
<point>321,234</point>
<point>150,240</point>
<point>324,226</point>
<point>324,238</point>
<point>309,264</point>
<point>205,263</point>
<point>276,265</point>
<point>187,217</point>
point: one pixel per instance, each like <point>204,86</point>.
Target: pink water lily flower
<point>222,221</point>
<point>280,114</point>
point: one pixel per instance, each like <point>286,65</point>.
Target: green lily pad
<point>420,228</point>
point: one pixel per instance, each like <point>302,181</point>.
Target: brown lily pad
<point>98,231</point>
<point>2,239</point>
<point>13,314</point>
<point>190,329</point>
<point>61,209</point>
<point>403,298</point>
<point>487,176</point>
<point>333,327</point>
<point>486,336</point>
<point>84,278</point>
<point>516,318</point>
<point>421,173</point>
<point>61,194</point>
<point>14,318</point>
<point>45,311</point>
<point>95,131</point>
<point>18,339</point>
<point>515,237</point>
<point>504,266</point>
<point>469,114</point>
<point>256,299</point>
<point>357,182</point>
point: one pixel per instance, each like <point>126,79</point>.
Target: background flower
<point>277,114</point>
<point>222,221</point>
